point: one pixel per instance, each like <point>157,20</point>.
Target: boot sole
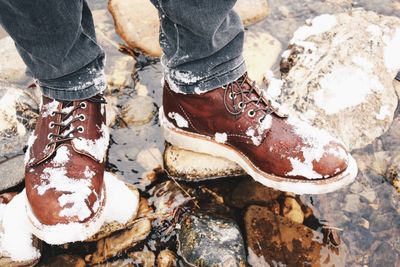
<point>71,232</point>
<point>204,144</point>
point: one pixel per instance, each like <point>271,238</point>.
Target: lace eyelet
<point>82,117</point>
<point>80,129</point>
<point>51,125</point>
<point>251,113</point>
<point>232,96</point>
<point>83,105</point>
<point>241,105</point>
<point>260,120</point>
<point>50,136</point>
<point>52,114</point>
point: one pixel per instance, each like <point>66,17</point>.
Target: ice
<point>180,121</point>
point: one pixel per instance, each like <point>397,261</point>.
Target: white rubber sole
<point>204,144</point>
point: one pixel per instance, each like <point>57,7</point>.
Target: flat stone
<point>138,25</point>
<point>250,192</point>
<point>260,52</point>
<point>12,172</point>
<point>192,166</point>
<point>205,240</point>
<point>274,240</point>
<point>333,79</point>
<point>138,110</point>
<point>121,241</point>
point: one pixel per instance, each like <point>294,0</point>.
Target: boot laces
<point>67,118</point>
<point>235,89</point>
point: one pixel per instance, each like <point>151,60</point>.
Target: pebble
<point>292,210</point>
<point>166,258</point>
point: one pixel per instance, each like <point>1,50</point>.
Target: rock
<point>205,240</point>
<point>111,110</point>
<point>118,263</point>
<point>12,172</point>
<point>333,79</point>
<point>292,210</point>
<point>192,166</point>
<point>260,52</point>
<point>384,255</point>
<point>145,258</point>
<point>166,258</point>
<point>138,110</point>
<point>352,203</point>
<point>150,158</point>
<point>138,25</point>
<point>12,68</point>
<point>250,192</point>
<point>119,67</point>
<point>274,240</point>
<point>66,260</point>
<point>121,241</point>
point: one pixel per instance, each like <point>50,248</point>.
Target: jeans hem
<point>213,82</point>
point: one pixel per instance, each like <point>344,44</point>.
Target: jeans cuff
<point>82,84</point>
<point>234,71</point>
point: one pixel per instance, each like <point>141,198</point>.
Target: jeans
<point>202,43</point>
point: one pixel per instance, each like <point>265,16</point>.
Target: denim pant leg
<point>202,41</point>
<point>57,41</point>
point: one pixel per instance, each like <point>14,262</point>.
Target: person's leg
<point>202,43</point>
<point>64,161</point>
<point>211,106</point>
<point>57,41</point>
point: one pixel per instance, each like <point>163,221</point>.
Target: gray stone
<point>338,74</point>
<point>12,172</point>
<point>384,255</point>
<point>205,240</point>
<point>188,165</point>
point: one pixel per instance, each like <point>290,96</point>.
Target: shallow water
<point>365,215</point>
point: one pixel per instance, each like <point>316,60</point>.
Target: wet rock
<point>137,21</point>
<point>166,258</point>
<point>138,110</point>
<point>166,197</point>
<point>250,192</point>
<point>274,240</point>
<point>292,210</point>
<point>120,242</point>
<point>384,255</point>
<point>12,68</point>
<point>188,165</point>
<point>260,52</point>
<point>120,67</point>
<point>145,258</point>
<point>205,240</point>
<point>336,81</point>
<point>12,172</point>
<point>66,260</point>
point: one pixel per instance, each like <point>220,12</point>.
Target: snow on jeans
<point>202,42</point>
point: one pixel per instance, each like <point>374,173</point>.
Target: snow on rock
<point>16,240</point>
<point>138,24</point>
<point>338,74</point>
<point>96,148</point>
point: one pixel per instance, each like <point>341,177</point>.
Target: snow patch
<point>31,140</point>
<point>62,156</point>
<point>255,260</point>
<point>16,240</point>
<point>221,137</point>
<point>88,172</point>
<point>392,53</point>
<point>49,108</point>
<point>344,87</point>
<point>256,135</point>
<point>180,121</point>
<point>383,113</point>
<point>96,148</point>
<point>320,24</point>
<point>363,63</point>
<point>275,85</point>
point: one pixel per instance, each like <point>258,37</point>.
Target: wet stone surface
<point>355,226</point>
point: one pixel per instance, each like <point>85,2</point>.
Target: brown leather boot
<point>64,170</point>
<point>239,123</point>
